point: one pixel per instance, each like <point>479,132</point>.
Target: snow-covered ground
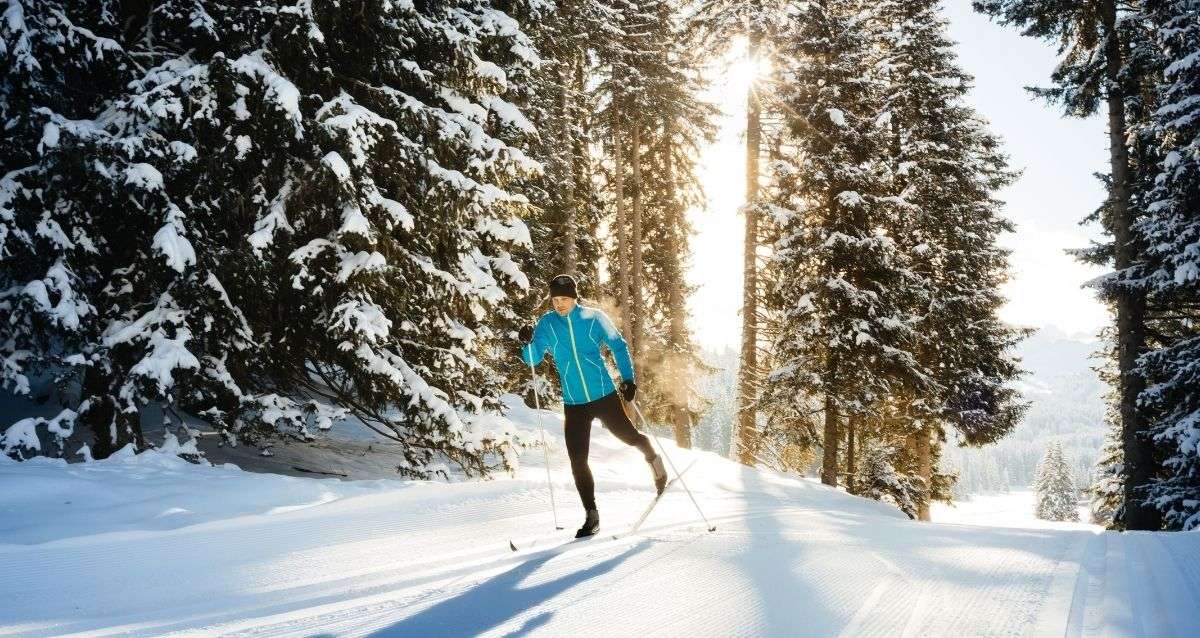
<point>153,545</point>
<point>1014,509</point>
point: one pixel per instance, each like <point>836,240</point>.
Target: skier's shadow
<point>499,599</point>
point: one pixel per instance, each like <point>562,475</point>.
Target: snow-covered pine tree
<point>1143,66</point>
<point>1094,41</point>
<point>991,476</point>
<point>1106,491</point>
<point>947,168</point>
<point>626,44</point>
<point>1172,230</point>
<point>1054,487</point>
<point>61,63</point>
<point>877,478</point>
<point>650,122</point>
<point>844,284</point>
<point>305,215</point>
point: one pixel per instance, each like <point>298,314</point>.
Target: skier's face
<point>563,305</point>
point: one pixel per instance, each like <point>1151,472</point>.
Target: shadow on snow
<point>498,600</point>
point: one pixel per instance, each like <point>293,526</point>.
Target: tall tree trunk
<point>675,365</point>
<point>622,230</point>
<point>924,455</point>
<point>1131,307</point>
<point>682,422</point>
<point>851,427</point>
<point>747,430</point>
<point>829,458</point>
<point>582,177</point>
<point>829,442</point>
<point>570,112</point>
<point>635,310</point>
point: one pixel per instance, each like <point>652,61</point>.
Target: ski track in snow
<point>789,557</point>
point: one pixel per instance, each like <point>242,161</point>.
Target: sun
<point>732,76</point>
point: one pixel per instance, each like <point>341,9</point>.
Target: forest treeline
<point>274,215</point>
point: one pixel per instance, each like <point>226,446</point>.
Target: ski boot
<point>590,525</point>
<point>660,473</point>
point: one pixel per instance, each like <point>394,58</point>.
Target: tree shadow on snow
<point>499,600</point>
<point>787,575</point>
<point>788,605</point>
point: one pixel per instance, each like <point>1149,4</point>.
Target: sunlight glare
<point>716,266</point>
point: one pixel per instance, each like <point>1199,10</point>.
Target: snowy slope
<point>1010,509</point>
<point>155,546</point>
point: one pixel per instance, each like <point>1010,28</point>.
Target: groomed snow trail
<point>387,558</point>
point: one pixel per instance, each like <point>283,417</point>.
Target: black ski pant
<point>578,428</point>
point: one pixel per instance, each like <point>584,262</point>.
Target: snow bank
<point>49,499</point>
<point>158,490</point>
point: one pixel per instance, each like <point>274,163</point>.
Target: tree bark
<point>829,458</point>
<point>682,422</point>
<point>924,455</point>
<point>676,367</point>
<point>851,427</point>
<point>583,174</point>
<point>747,427</point>
<point>1130,303</point>
<point>621,230</point>
<point>635,311</point>
<point>569,113</point>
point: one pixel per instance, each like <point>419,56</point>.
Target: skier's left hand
<point>628,388</point>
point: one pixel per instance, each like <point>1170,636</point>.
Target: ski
<point>657,497</point>
<point>513,546</point>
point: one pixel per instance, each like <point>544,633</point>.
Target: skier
<point>574,335</point>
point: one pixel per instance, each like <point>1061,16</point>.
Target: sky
<point>1057,156</point>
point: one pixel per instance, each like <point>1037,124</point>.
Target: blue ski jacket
<point>575,341</point>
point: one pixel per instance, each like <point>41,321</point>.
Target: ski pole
<point>662,450</point>
<point>537,403</point>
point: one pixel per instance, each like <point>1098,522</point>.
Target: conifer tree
<point>1093,39</point>
<point>560,106</point>
<point>879,479</point>
<point>305,216</point>
<point>681,123</point>
<point>846,331</point>
<point>1106,489</point>
<point>655,124</point>
<point>1172,229</point>
<point>946,170</point>
<point>61,63</point>
<point>1054,487</point>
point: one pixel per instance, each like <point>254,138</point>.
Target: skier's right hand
<point>525,333</point>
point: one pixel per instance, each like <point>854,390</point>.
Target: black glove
<point>525,333</point>
<point>628,388</point>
